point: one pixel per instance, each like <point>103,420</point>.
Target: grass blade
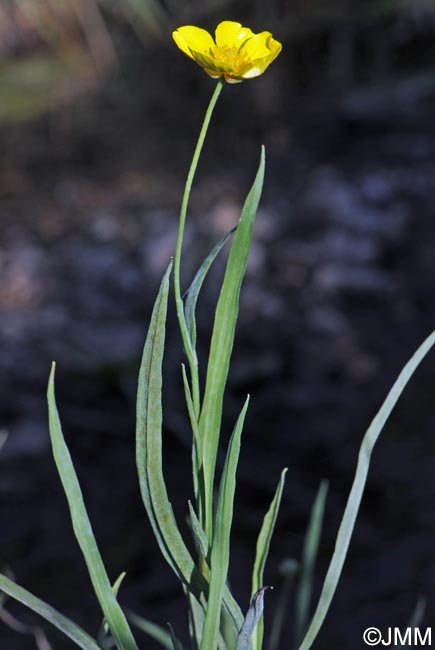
<point>61,622</point>
<point>262,551</point>
<point>252,617</point>
<point>220,550</point>
<point>83,529</point>
<point>194,289</point>
<point>309,555</point>
<point>356,492</point>
<point>223,339</point>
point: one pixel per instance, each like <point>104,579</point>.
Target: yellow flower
<point>236,53</point>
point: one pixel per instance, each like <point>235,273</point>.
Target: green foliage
<point>223,339</point>
<point>61,622</point>
<point>352,507</point>
<point>194,289</point>
<point>151,629</point>
<point>309,554</point>
<point>220,551</point>
<point>83,530</point>
<point>262,551</point>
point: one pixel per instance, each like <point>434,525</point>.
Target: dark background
<point>99,114</point>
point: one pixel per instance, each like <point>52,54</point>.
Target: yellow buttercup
<point>236,53</point>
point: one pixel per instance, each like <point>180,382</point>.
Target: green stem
<point>190,350</point>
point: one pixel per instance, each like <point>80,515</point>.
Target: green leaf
<point>199,535</point>
<point>83,529</point>
<point>151,629</point>
<point>61,622</point>
<point>104,628</point>
<point>252,617</point>
<point>232,618</point>
<point>223,339</point>
<point>149,458</point>
<point>352,507</point>
<point>197,445</point>
<point>309,555</point>
<point>262,551</point>
<point>149,445</point>
<point>196,619</point>
<point>194,289</point>
<point>220,550</point>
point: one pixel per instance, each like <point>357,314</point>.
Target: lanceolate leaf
<point>252,617</point>
<point>263,545</point>
<point>195,287</point>
<point>351,511</point>
<point>70,629</point>
<point>149,445</point>
<point>220,550</point>
<point>83,531</point>
<point>149,459</point>
<point>223,339</point>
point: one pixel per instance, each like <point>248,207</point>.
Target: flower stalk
<point>189,348</point>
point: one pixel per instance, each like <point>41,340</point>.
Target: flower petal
<point>207,60</point>
<point>190,38</point>
<point>231,34</point>
<point>261,51</point>
<point>260,45</point>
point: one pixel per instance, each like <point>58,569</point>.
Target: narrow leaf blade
<point>83,529</point>
<point>149,443</point>
<point>149,459</point>
<point>262,551</point>
<point>194,289</point>
<point>309,555</point>
<point>352,507</point>
<point>223,339</point>
<point>104,628</point>
<point>220,550</point>
<point>61,622</point>
<point>199,535</point>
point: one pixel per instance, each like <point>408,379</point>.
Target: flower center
<point>231,56</point>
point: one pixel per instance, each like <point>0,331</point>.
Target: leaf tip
<point>51,377</point>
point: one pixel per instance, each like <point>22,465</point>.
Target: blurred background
<point>99,114</point>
